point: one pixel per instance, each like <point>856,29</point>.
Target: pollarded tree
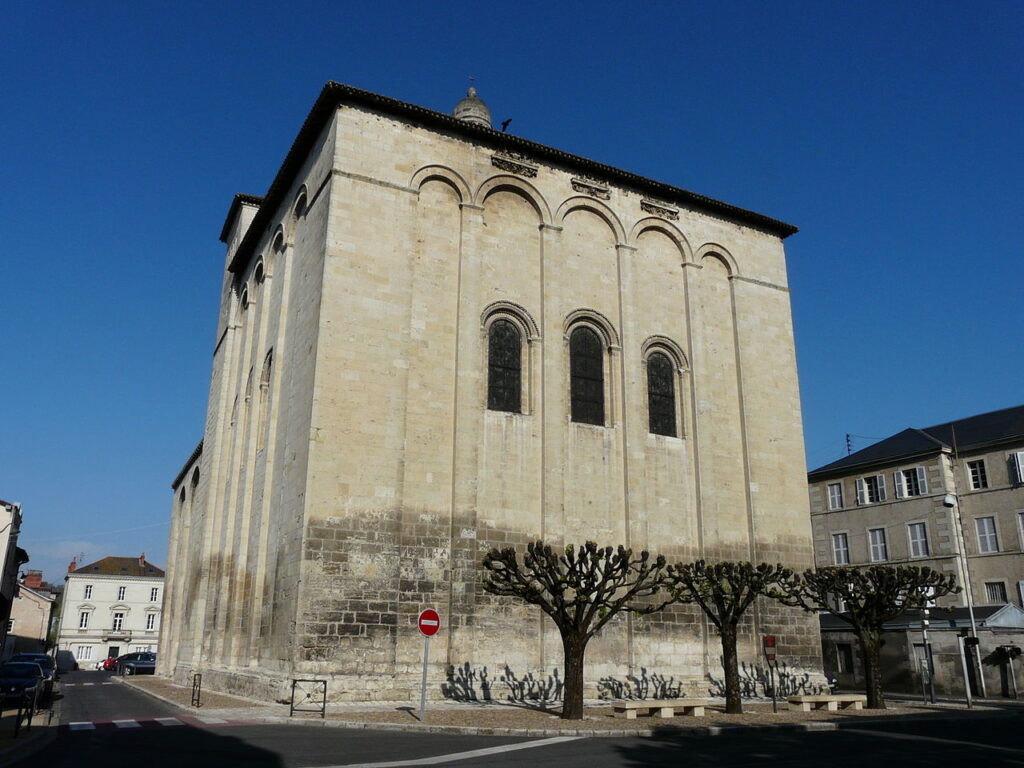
<point>581,590</point>
<point>870,597</point>
<point>724,591</point>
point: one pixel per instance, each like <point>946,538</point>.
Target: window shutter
<point>922,480</point>
<point>881,487</point>
<point>901,490</point>
<point>861,499</point>
<point>1017,467</point>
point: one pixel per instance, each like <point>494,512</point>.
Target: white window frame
<point>924,539</point>
<point>83,653</point>
<point>87,592</point>
<point>150,621</point>
<point>863,497</point>
<point>835,501</point>
<point>153,594</point>
<point>1016,462</point>
<point>988,541</point>
<point>978,481</point>
<point>904,478</point>
<point>117,622</point>
<point>83,619</point>
<point>122,592</point>
<point>1020,527</point>
<point>879,550</point>
<point>10,625</point>
<point>845,538</point>
<point>1002,585</point>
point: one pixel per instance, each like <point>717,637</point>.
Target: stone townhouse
<point>950,497</point>
<point>436,338</point>
<point>110,607</point>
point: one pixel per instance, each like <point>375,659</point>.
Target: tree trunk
<point>870,648</point>
<point>730,664</point>
<point>574,645</point>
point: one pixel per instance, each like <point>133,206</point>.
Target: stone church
<point>436,337</point>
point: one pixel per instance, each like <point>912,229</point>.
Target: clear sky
<point>890,133</point>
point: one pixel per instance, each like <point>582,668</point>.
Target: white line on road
<point>85,684</point>
<point>463,755</point>
<point>106,683</point>
<point>82,726</point>
<point>913,737</point>
<point>169,721</point>
<point>211,720</point>
<point>127,724</point>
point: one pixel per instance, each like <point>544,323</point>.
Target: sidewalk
<point>43,731</point>
<point>515,719</point>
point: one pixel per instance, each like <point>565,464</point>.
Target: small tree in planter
<point>581,590</point>
<point>724,591</point>
<point>871,597</point>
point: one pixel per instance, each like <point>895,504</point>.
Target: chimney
<point>72,565</point>
<point>142,560</point>
<point>33,579</point>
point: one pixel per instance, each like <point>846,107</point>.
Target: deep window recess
<point>876,540</point>
<point>586,369</point>
<point>504,367</point>
<point>871,489</point>
<point>995,592</point>
<point>661,395</point>
<point>918,540</point>
<point>988,540</point>
<point>979,478</point>
<point>840,549</point>
<point>910,482</point>
<point>835,496</point>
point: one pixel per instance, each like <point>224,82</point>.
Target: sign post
<point>429,623</point>
<point>769,656</point>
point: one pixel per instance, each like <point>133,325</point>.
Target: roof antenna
<point>849,444</point>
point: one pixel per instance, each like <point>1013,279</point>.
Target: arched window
<point>661,395</point>
<point>261,425</point>
<point>504,367</point>
<point>586,369</point>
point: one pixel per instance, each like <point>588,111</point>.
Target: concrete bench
<point>659,708</point>
<point>830,702</point>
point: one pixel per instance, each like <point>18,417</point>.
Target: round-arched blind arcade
<point>504,367</point>
<point>586,368</point>
<point>661,395</point>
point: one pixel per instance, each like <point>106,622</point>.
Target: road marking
<point>106,683</point>
<point>127,723</point>
<point>211,720</point>
<point>82,726</point>
<point>84,684</point>
<point>912,737</point>
<point>69,685</point>
<point>463,755</point>
<point>169,721</point>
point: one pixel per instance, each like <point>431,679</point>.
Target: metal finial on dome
<point>472,110</point>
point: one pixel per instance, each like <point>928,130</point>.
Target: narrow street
<point>109,724</point>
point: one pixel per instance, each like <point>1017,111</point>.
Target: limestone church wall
<point>358,476</point>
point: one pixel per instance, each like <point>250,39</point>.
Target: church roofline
<point>237,202</point>
<point>187,466</point>
<point>335,94</point>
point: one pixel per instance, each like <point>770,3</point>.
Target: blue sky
<point>890,133</point>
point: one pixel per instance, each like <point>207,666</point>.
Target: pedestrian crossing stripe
<point>83,726</point>
<point>169,721</point>
<point>127,724</point>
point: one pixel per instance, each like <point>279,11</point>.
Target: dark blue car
<point>18,678</point>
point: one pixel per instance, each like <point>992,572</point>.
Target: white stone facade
<point>351,473</point>
<point>109,615</point>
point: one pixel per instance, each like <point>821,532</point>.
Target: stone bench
<point>830,702</point>
<point>659,708</point>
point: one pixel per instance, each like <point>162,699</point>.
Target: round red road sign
<point>429,622</point>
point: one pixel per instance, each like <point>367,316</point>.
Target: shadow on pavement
<point>155,746</point>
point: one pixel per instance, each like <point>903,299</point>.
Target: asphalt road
<point>181,740</point>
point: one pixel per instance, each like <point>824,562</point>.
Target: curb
<point>700,730</point>
<point>37,741</point>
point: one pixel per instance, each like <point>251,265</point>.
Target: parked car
<point>46,662</point>
<point>109,663</point>
<point>144,664</point>
<point>121,660</point>
<point>18,678</point>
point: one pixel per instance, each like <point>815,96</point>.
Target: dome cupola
<point>472,110</point>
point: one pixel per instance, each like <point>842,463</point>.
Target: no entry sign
<point>429,622</point>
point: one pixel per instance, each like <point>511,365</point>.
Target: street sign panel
<point>429,622</point>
